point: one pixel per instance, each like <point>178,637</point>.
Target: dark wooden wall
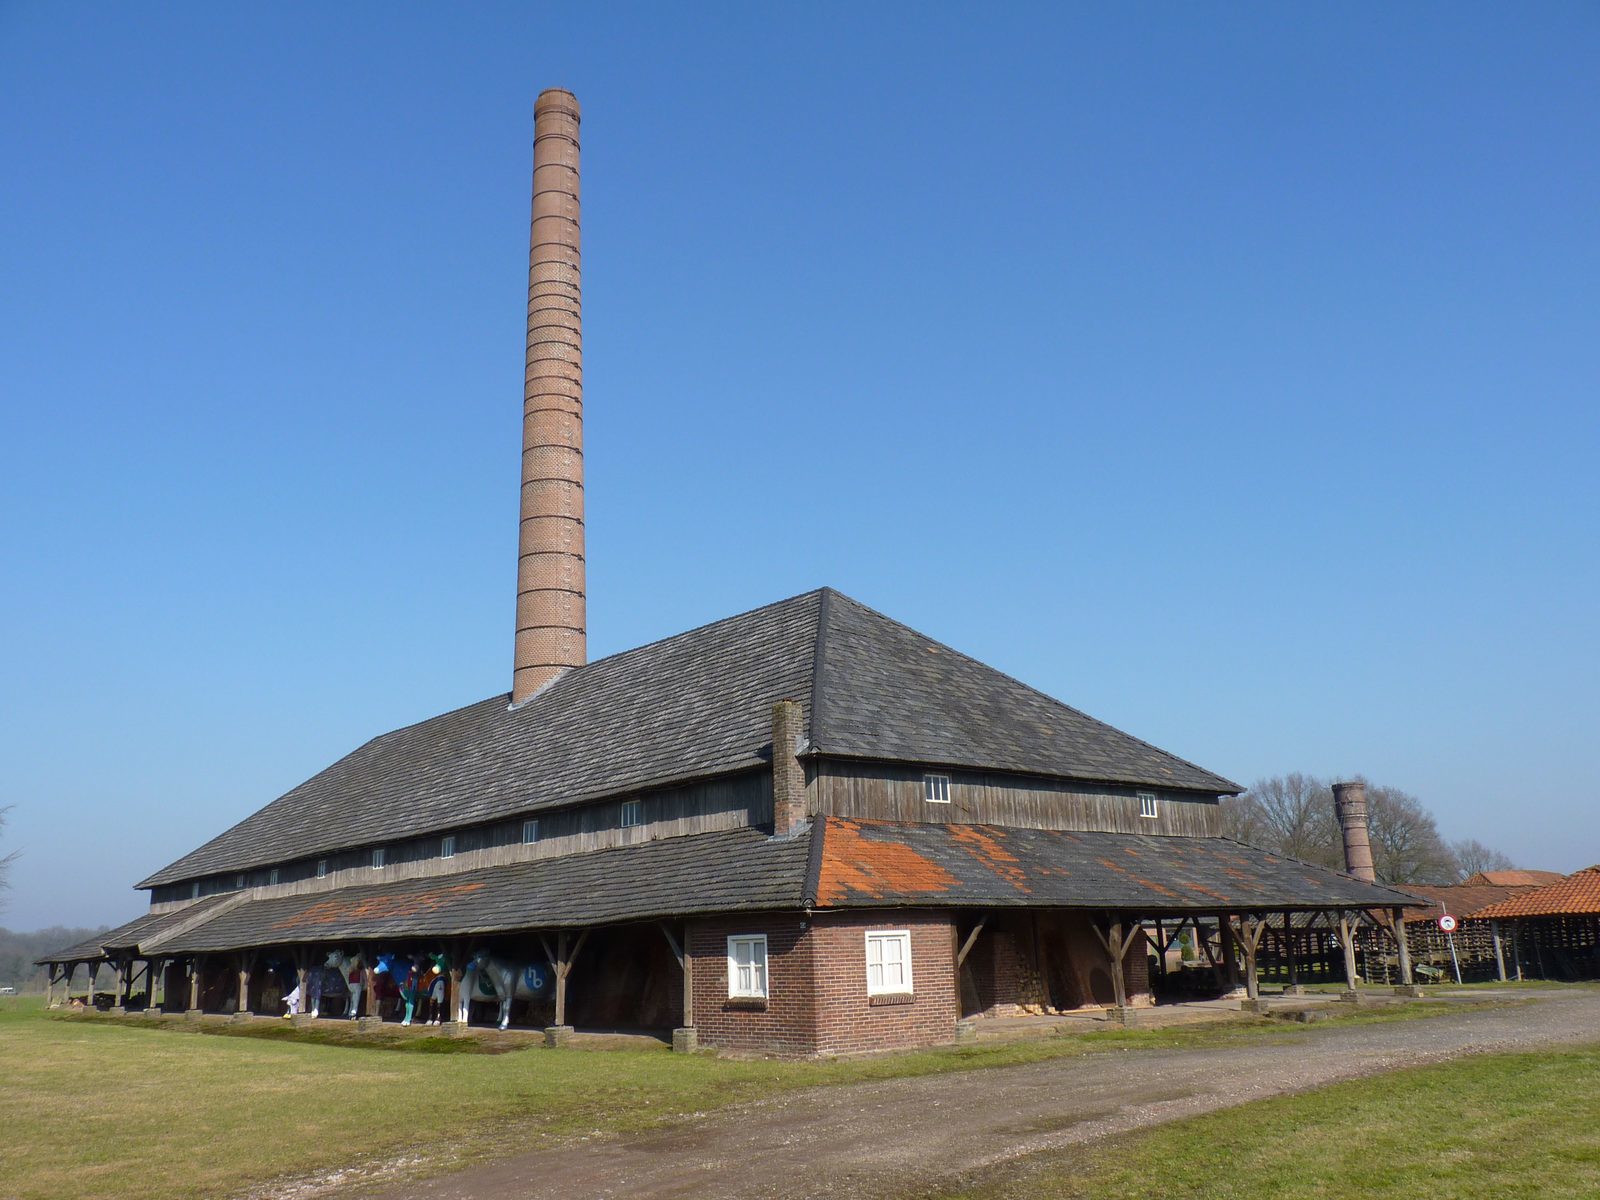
<point>847,788</point>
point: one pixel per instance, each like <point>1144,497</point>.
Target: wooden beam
<point>681,953</point>
<point>1116,947</point>
<point>1398,920</point>
<point>1499,951</point>
<point>194,984</point>
<point>966,946</point>
<point>1347,940</point>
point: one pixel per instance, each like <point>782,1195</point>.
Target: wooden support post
<point>1116,943</point>
<point>49,985</point>
<point>116,984</point>
<point>1499,951</point>
<point>1348,941</point>
<point>562,961</point>
<point>1398,916</point>
<point>1251,931</point>
<point>681,953</point>
<point>243,1007</point>
<point>302,975</point>
<point>1041,960</point>
<point>194,985</point>
<point>1161,950</point>
<point>1291,950</point>
<point>1230,951</point>
<point>369,985</point>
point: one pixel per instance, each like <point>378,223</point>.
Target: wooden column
<point>1348,941</point>
<point>1251,932</point>
<point>562,961</point>
<point>119,981</point>
<point>1499,951</point>
<point>369,986</point>
<point>49,985</point>
<point>1399,918</point>
<point>1116,940</point>
<point>1230,956</point>
<point>194,984</point>
<point>244,985</point>
<point>1291,951</point>
<point>681,953</point>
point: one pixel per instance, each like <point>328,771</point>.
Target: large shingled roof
<point>1578,895</point>
<point>693,706</point>
<point>832,863</point>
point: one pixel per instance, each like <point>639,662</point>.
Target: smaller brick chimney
<point>788,776</point>
<point>1350,804</point>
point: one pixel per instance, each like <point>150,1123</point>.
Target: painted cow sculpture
<point>489,978</point>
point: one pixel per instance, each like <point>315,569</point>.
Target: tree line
<point>1293,815</point>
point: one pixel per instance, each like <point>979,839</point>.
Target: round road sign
<point>1448,923</point>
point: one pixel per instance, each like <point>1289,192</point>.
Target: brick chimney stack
<point>1350,804</point>
<point>550,562</point>
<point>788,776</point>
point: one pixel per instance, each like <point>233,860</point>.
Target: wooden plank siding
<point>894,792</point>
<point>729,802</point>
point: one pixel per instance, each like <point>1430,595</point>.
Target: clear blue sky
<point>1228,372</point>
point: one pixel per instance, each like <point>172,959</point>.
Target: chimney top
<point>558,100</point>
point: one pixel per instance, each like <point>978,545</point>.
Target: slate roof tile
<point>691,706</point>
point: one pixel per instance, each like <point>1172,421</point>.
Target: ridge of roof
<point>1205,780</point>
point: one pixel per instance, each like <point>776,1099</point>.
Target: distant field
<point>1501,1127</point>
<point>90,1107</point>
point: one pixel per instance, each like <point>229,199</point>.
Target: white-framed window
<point>530,830</point>
<point>447,847</point>
<point>322,867</point>
<point>888,961</point>
<point>747,966</point>
<point>377,857</point>
<point>936,789</point>
<point>272,875</point>
<point>632,813</point>
<point>1149,806</point>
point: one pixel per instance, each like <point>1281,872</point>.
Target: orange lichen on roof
<point>376,908</point>
<point>990,854</point>
<point>1576,895</point>
<point>1149,883</point>
<point>853,865</point>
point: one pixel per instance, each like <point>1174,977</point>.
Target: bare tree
<point>1290,815</point>
<point>1473,856</point>
<point>1406,846</point>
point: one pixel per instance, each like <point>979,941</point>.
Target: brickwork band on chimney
<point>788,775</point>
<point>1350,803</point>
<point>550,562</point>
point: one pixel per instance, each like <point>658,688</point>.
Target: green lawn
<point>89,1106</point>
<point>1502,1127</point>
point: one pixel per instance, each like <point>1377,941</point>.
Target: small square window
<point>632,813</point>
<point>272,875</point>
<point>530,830</point>
<point>377,857</point>
<point>447,847</point>
<point>1149,807</point>
<point>936,789</point>
<point>322,867</point>
<point>747,966</point>
<point>888,962</point>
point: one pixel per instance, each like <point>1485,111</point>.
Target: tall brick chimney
<point>550,562</point>
<point>1350,804</point>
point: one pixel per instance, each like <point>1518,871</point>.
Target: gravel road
<point>866,1139</point>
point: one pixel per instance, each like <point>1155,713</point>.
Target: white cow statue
<point>486,977</point>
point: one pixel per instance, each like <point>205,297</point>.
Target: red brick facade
<point>817,1000</point>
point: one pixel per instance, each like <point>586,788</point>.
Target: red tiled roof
<point>1458,899</point>
<point>1514,878</point>
<point>1576,895</point>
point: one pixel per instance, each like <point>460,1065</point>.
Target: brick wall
<point>848,1020</point>
<point>785,1023</point>
<point>817,1000</point>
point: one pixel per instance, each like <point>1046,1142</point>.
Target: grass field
<point>1500,1127</point>
<point>92,1107</point>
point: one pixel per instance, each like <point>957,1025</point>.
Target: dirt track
<point>865,1139</point>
